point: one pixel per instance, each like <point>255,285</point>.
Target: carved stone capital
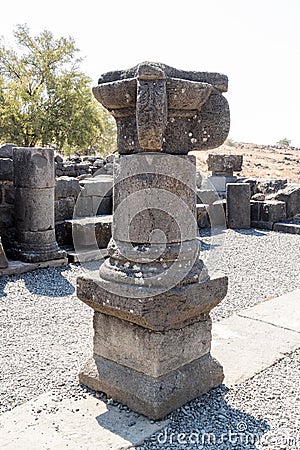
<point>162,109</point>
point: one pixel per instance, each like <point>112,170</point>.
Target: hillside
<point>262,161</point>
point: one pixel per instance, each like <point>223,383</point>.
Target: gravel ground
<point>46,336</point>
<point>261,413</point>
<point>260,265</point>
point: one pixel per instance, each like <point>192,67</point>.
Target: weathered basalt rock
<point>34,205</point>
<point>290,195</point>
<point>159,108</point>
<point>224,164</point>
<point>153,289</point>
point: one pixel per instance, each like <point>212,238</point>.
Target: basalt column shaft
<point>34,182</point>
<point>151,301</point>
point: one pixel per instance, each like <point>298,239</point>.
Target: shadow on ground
<point>207,422</point>
<point>252,232</point>
<point>48,282</point>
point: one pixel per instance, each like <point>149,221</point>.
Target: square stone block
<point>291,196</point>
<point>216,214</point>
<point>219,182</point>
<point>153,353</point>
<point>89,231</point>
<point>223,163</point>
<point>176,308</point>
<point>255,208</point>
<point>207,196</point>
<point>66,187</point>
<point>152,397</point>
<point>92,206</point>
<point>273,211</point>
<point>100,186</point>
<point>268,211</point>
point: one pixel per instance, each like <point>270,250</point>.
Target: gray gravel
<point>261,413</point>
<point>260,265</point>
<point>46,335</point>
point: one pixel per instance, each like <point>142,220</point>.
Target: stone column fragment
<point>34,205</point>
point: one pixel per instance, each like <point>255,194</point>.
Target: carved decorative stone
<point>153,291</point>
<point>188,107</point>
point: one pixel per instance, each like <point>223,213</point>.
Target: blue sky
<point>256,43</point>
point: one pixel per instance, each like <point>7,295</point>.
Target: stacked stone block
<point>34,205</point>
<point>222,168</point>
<point>84,166</point>
<point>264,214</point>
<point>290,195</point>
<point>152,299</point>
<point>95,196</point>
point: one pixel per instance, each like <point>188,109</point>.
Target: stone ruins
<point>143,207</point>
<point>83,202</point>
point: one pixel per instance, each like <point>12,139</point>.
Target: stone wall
<point>7,194</point>
<point>80,167</point>
<point>76,198</point>
<point>271,200</point>
<point>74,177</point>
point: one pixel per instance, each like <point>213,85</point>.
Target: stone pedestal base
<point>37,253</point>
<point>152,397</point>
<point>176,308</point>
<point>152,353</point>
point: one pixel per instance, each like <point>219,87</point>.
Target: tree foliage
<point>46,100</point>
<point>284,142</point>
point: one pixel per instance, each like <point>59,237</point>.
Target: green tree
<point>46,99</point>
<point>284,142</point>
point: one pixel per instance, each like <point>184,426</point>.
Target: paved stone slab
<point>87,423</point>
<point>283,311</point>
<point>247,345</point>
<point>19,267</point>
<point>86,255</point>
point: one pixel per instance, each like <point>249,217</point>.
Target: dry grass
<point>261,161</point>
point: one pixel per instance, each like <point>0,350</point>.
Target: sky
<point>256,43</point>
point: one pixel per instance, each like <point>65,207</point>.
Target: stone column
<point>34,182</point>
<point>152,330</point>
